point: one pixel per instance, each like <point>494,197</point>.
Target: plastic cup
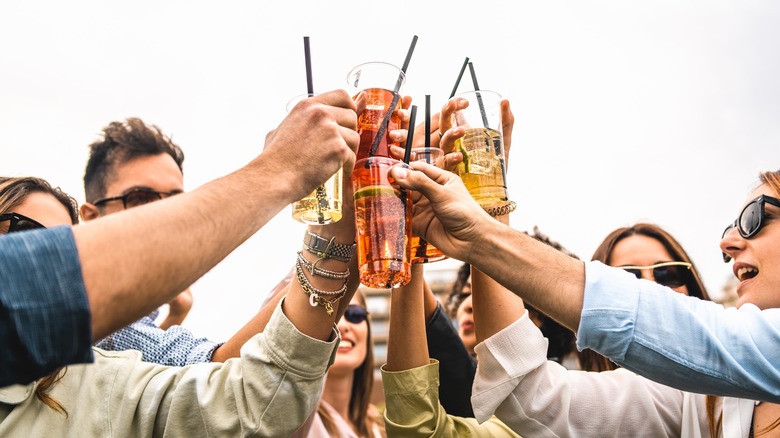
<point>383,220</point>
<point>382,83</point>
<point>483,169</point>
<point>323,205</point>
<point>423,251</point>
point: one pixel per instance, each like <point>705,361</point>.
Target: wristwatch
<point>328,248</point>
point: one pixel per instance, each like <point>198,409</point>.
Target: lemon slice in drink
<point>375,191</point>
<point>465,154</point>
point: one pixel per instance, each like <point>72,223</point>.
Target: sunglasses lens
<point>141,197</point>
<point>671,276</point>
<point>355,314</point>
<point>23,225</point>
<point>750,219</point>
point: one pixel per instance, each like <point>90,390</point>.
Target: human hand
<point>178,308</point>
<point>445,214</point>
<point>507,125</point>
<point>317,137</point>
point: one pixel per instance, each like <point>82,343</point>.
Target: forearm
<point>407,325</point>
<point>495,307</point>
<point>165,246</point>
<point>315,321</point>
<point>551,281</point>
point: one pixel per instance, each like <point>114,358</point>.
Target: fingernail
<point>400,173</point>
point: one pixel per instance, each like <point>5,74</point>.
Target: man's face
<point>157,172</point>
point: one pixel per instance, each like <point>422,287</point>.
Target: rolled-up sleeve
<point>44,312</point>
<point>681,341</point>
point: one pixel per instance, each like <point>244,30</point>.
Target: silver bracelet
<point>328,248</point>
<point>315,295</point>
<point>313,270</point>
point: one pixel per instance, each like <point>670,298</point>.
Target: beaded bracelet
<point>313,270</point>
<point>316,295</point>
<point>502,210</point>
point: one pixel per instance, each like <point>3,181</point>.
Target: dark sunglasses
<point>670,274</point>
<point>751,219</point>
<point>18,222</point>
<point>138,196</point>
<point>356,314</point>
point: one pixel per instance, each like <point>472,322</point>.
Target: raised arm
<point>194,231</point>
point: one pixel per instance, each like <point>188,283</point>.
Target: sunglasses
<point>138,196</point>
<point>670,274</point>
<point>18,222</point>
<point>356,314</point>
<point>751,219</point>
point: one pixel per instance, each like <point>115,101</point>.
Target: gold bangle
<point>502,210</point>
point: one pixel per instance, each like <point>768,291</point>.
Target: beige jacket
<point>269,391</point>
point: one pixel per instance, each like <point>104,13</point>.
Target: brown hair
<point>589,359</point>
<point>361,412</point>
<point>123,142</point>
<point>772,179</point>
<point>13,191</point>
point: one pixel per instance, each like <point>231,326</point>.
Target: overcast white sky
<point>663,111</point>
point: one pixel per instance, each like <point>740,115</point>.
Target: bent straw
<point>428,129</point>
<point>410,136</point>
<point>386,120</point>
<point>320,192</point>
<point>460,75</point>
<point>479,96</point>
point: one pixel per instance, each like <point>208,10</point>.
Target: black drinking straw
<point>410,137</point>
<point>322,202</point>
<point>479,96</point>
<point>307,54</point>
<point>460,75</point>
<point>386,120</point>
<point>428,129</point>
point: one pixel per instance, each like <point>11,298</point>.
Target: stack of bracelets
<point>323,249</point>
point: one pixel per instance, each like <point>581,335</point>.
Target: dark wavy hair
<point>123,142</point>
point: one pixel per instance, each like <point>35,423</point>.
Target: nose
<point>731,243</point>
<point>647,274</point>
<point>342,325</point>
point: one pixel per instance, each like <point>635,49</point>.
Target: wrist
<point>328,247</point>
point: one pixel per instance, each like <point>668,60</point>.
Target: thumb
<point>422,177</point>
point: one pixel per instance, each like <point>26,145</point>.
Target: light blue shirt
<point>45,321</point>
<point>681,341</point>
<point>175,346</point>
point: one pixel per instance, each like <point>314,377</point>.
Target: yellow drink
<point>323,205</point>
<point>482,169</point>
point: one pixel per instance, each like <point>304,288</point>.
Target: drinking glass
<point>323,205</point>
<point>423,251</point>
<point>383,219</point>
<point>483,169</point>
<point>382,83</point>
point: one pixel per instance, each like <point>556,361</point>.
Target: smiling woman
<point>344,409</point>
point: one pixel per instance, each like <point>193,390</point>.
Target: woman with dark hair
<point>28,203</point>
<point>650,252</point>
<point>345,409</point>
<point>37,198</point>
